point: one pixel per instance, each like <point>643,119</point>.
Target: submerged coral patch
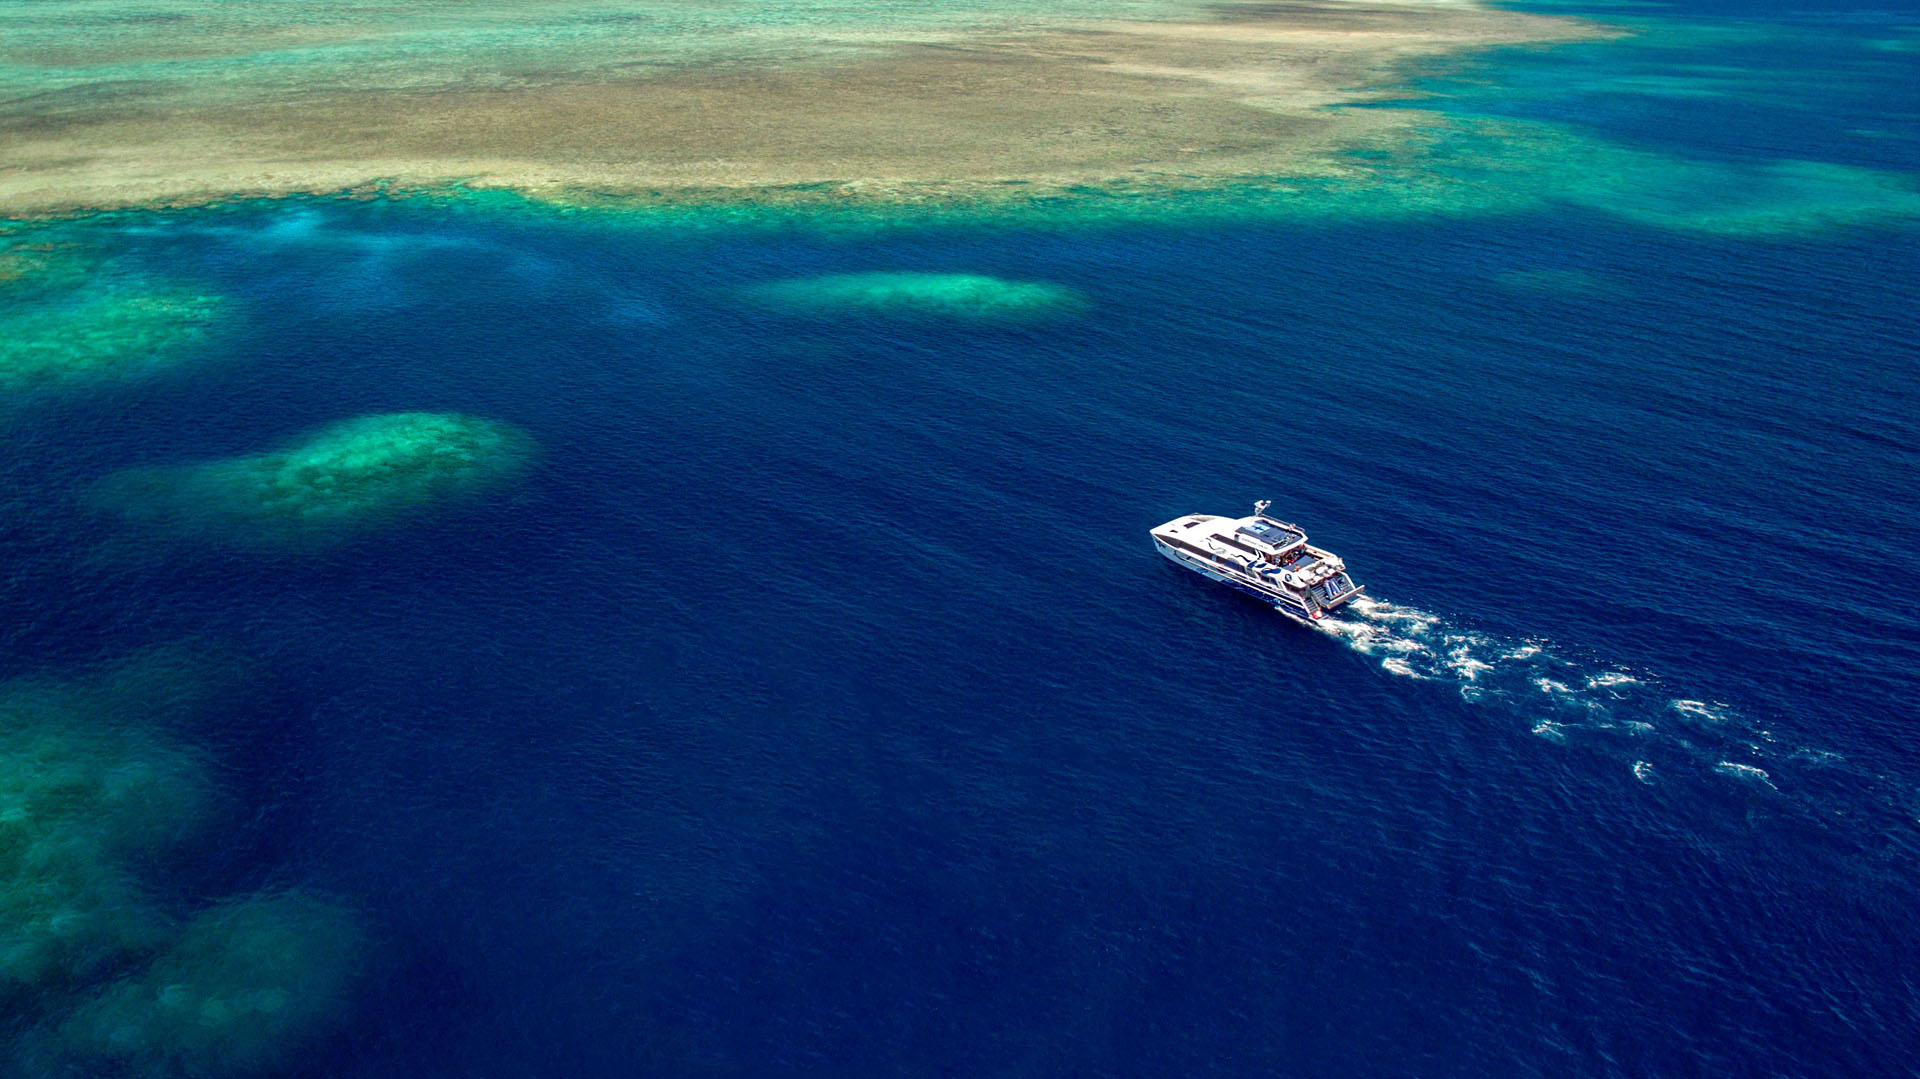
<point>90,789</point>
<point>65,910</point>
<point>102,338</point>
<point>101,971</point>
<point>343,479</point>
<point>37,265</point>
<point>945,295</point>
<point>1464,165</point>
<point>247,985</point>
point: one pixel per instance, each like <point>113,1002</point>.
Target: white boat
<point>1263,556</point>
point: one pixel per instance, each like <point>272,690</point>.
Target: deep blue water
<point>818,705</point>
<point>1727,80</point>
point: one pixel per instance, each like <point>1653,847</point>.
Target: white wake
<point>1419,644</point>
<point>1559,699</point>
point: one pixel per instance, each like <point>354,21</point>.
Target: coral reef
<point>97,970</point>
<point>341,480</point>
<point>41,265</point>
<point>1464,165</point>
<point>101,337</point>
<point>890,102</point>
<point>90,787</point>
<point>946,295</point>
<point>249,983</point>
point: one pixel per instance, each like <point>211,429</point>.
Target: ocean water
<point>811,701</point>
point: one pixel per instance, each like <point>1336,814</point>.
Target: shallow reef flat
<point>106,105</point>
<point>340,481</point>
<point>1076,112</point>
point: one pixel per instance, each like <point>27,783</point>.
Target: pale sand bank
<point>945,113</point>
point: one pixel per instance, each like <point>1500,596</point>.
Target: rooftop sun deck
<point>1276,534</point>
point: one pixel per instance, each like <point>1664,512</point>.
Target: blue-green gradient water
<point>812,701</point>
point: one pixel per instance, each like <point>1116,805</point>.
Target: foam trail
<point>1700,710</point>
<point>1558,699</point>
<point>1420,644</point>
<point>1746,772</point>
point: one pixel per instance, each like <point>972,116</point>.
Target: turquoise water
<point>450,637</point>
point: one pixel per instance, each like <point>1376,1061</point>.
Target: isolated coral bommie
<point>376,463</point>
<point>248,984</point>
<point>959,296</point>
<point>344,478</point>
<point>102,338</point>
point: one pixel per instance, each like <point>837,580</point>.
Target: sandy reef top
<point>105,107</point>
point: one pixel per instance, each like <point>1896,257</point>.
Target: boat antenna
<point>1260,507</point>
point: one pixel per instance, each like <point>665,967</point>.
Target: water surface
<point>811,700</point>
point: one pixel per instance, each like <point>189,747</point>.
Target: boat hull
<point>1278,600</point>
